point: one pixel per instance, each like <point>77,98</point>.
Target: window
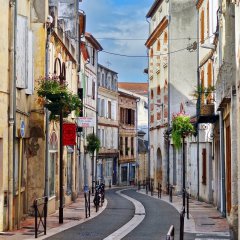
<point>158,45</point>
<point>126,146</point>
<point>109,109</point>
<point>151,53</point>
<point>204,166</point>
<point>165,38</point>
<point>158,90</point>
<point>151,93</point>
<point>121,146</point>
<point>209,99</point>
<point>69,169</point>
<point>93,90</point>
<point>103,138</point>
<point>103,108</point>
<point>93,56</point>
<point>53,148</point>
<point>109,168</point>
<point>132,146</point>
<point>99,107</point>
<point>202,86</point>
<point>103,80</point>
<point>202,27</point>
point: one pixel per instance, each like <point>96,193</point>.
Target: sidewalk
<point>74,214</point>
<point>203,217</point>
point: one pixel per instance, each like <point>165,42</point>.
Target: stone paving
<point>203,217</point>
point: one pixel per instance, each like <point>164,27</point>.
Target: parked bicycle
<point>99,195</point>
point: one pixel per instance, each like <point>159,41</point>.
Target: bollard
<point>87,203</point>
<point>146,186</point>
<point>182,213</point>
<point>170,193</point>
<point>139,185</point>
<point>109,182</point>
<point>151,188</point>
<point>158,190</point>
<point>170,234</point>
<point>187,205</point>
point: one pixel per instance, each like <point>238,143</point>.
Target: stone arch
<point>159,166</point>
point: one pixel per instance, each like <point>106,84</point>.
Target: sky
<point>120,19</point>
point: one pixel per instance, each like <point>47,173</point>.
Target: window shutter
<point>114,111</point>
<point>89,86</point>
<point>30,78</point>
<point>21,52</point>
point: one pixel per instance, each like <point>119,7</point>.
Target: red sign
<point>69,134</point>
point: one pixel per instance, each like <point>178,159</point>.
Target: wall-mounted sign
<point>86,122</point>
<point>69,134</point>
<point>22,129</point>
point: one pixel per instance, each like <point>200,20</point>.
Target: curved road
<point>159,216</point>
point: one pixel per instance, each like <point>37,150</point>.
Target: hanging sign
<point>69,134</point>
<point>86,122</point>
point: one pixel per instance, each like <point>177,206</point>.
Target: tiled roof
<point>138,88</point>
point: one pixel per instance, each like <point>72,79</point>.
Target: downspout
<point>96,119</point>
<point>12,110</point>
<point>46,190</point>
<point>222,149</point>
<point>198,110</point>
<point>169,96</point>
<point>149,150</point>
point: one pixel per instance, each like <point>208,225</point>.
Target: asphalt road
<point>159,217</point>
<point>119,211</point>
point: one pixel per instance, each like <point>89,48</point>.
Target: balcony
<point>207,113</point>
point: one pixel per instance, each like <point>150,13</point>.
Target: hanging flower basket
<point>56,97</point>
<point>181,127</point>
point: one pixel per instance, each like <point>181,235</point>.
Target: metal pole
<point>183,172</point>
<point>61,170</point>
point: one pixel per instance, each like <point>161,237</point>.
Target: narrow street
<point>159,216</point>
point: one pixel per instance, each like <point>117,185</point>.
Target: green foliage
<point>181,127</point>
<point>93,143</point>
<point>203,91</point>
<point>56,97</point>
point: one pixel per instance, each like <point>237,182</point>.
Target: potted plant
<point>56,97</point>
<point>205,98</point>
<point>181,128</point>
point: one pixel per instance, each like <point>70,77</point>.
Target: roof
<point>93,41</point>
<point>154,7</point>
<point>108,69</point>
<point>134,87</point>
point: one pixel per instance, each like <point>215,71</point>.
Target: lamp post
<point>62,78</point>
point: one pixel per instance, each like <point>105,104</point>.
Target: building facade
<point>127,106</point>
<point>170,66</point>
<point>107,105</point>
<point>88,86</point>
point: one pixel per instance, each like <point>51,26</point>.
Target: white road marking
<point>133,223</point>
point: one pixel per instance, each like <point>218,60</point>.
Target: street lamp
<point>62,78</point>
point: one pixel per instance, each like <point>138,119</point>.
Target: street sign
<point>69,134</point>
<point>22,129</point>
<point>86,122</point>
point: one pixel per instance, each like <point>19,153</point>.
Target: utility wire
<point>134,56</point>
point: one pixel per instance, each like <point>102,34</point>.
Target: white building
<point>107,125</point>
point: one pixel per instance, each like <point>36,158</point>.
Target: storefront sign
<point>69,134</point>
<point>86,122</point>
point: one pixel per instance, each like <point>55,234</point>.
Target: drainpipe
<point>169,96</point>
<point>148,152</point>
<point>12,109</point>
<point>222,145</point>
<point>198,109</point>
<point>46,190</point>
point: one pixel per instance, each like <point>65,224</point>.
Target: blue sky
<point>120,19</point>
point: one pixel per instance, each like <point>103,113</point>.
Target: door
<point>228,167</point>
<point>159,166</point>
